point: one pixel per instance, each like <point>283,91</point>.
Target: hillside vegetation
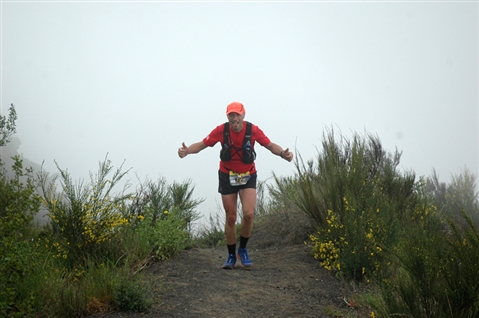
<point>413,243</point>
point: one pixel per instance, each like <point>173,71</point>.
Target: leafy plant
<point>436,271</point>
<point>166,237</point>
<point>84,217</point>
<point>183,203</point>
<point>131,294</point>
<point>7,125</point>
<point>457,196</point>
<point>18,205</point>
<point>355,196</point>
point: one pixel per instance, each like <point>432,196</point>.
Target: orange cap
<point>235,107</point>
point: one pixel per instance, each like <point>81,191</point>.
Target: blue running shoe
<point>243,256</point>
<point>230,262</point>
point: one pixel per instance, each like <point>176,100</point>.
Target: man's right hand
<point>183,151</point>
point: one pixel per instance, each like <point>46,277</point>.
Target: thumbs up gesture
<point>287,155</point>
<point>183,151</point>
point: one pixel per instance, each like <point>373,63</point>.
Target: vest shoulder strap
<point>247,135</point>
<point>226,133</point>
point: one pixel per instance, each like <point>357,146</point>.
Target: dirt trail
<point>284,281</point>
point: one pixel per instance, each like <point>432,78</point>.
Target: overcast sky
<point>135,80</point>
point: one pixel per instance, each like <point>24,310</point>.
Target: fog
<point>136,79</point>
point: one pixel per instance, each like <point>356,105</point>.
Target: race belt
<point>238,179</point>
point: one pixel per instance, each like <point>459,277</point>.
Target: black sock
<point>243,241</point>
<point>231,249</point>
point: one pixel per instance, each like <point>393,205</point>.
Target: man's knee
<point>248,217</point>
<point>231,219</point>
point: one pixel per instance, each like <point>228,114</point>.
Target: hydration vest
<point>249,155</point>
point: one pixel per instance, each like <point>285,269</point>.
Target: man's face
<point>236,121</point>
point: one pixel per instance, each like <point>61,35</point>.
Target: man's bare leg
<point>248,203</point>
<point>230,203</point>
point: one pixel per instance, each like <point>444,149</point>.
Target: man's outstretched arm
<point>193,148</point>
<point>278,150</point>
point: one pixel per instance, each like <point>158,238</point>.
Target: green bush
<point>457,196</point>
<point>418,241</point>
<point>7,126</point>
<point>183,203</point>
<point>436,271</point>
<point>162,216</point>
<point>131,294</point>
<point>91,226</point>
<point>84,218</point>
<point>89,258</point>
<point>358,200</point>
<point>18,255</point>
<point>158,197</point>
<point>437,256</point>
<point>166,237</point>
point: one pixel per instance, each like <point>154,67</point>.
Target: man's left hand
<point>287,155</point>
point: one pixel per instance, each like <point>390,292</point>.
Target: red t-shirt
<point>236,143</point>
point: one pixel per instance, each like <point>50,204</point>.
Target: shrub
<point>356,198</point>
<point>457,196</point>
<point>437,271</point>
<point>18,204</point>
<point>80,263</point>
<point>7,126</point>
<point>165,238</point>
<point>157,197</point>
<point>162,216</point>
<point>131,294</point>
<point>183,203</point>
<point>84,218</point>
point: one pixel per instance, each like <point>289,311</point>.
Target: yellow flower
<point>165,212</point>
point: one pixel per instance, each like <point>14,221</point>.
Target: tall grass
<point>212,234</point>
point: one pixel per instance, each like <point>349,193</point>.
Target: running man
<point>237,174</point>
